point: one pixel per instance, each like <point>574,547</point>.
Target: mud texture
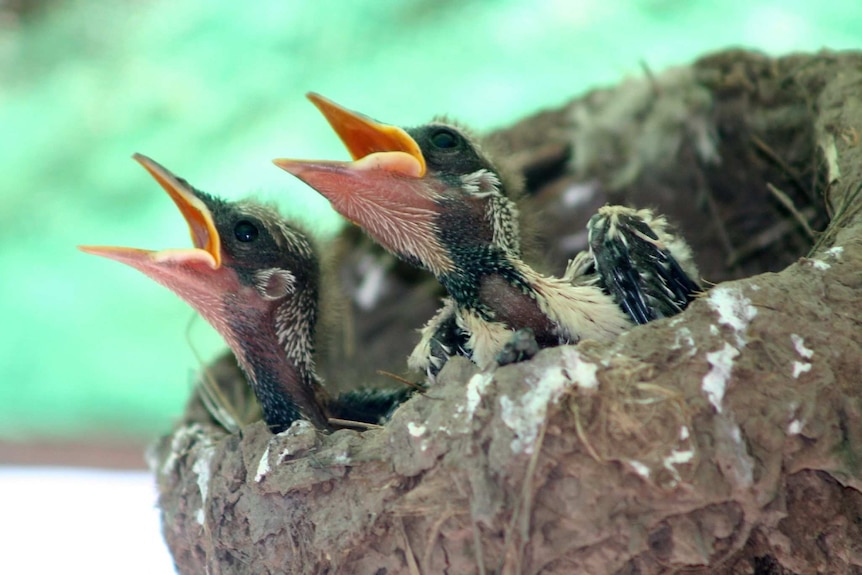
<point>725,440</point>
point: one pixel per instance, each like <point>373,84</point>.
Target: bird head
<point>245,265</point>
<point>427,194</point>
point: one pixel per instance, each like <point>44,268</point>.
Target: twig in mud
<point>776,159</point>
<point>788,203</point>
<point>354,424</point>
<point>408,551</point>
<point>417,386</point>
<point>717,220</point>
<point>432,537</point>
<point>766,238</point>
<point>521,513</point>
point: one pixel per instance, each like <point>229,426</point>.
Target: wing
<point>646,268</point>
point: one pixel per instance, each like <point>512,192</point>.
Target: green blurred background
<point>214,90</point>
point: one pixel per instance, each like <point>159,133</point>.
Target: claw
<point>521,347</point>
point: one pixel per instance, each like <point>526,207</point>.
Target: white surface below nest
<point>59,520</point>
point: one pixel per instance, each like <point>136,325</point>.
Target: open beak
<point>363,137</point>
<point>385,189</point>
<point>206,251</point>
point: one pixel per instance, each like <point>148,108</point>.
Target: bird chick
<point>433,198</point>
<point>255,278</point>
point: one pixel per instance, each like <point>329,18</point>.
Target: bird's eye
<point>245,231</point>
<point>445,139</point>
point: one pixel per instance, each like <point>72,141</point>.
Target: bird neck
<point>277,354</point>
<point>481,250</point>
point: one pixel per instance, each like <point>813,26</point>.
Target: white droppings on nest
<point>341,459</point>
<point>416,429</point>
<point>835,252</point>
<point>734,310</point>
<point>799,346</point>
<point>830,154</point>
<point>715,382</point>
<point>800,367</point>
<point>795,427</point>
<point>475,388</point>
<point>525,417</point>
<point>736,435</point>
<point>285,453</point>
<point>298,438</point>
<point>670,463</point>
<point>181,441</point>
<point>745,464</point>
<point>173,454</point>
<point>201,467</point>
<point>262,466</point>
<point>299,427</point>
<point>639,468</point>
<point>522,422</point>
<point>583,373</point>
<point>677,457</point>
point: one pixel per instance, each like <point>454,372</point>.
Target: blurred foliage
<point>214,90</point>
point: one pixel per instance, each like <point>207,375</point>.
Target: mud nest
<point>725,440</point>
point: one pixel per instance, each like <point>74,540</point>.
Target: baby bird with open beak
<point>255,278</point>
<point>433,198</point>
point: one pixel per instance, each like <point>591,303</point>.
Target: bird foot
<point>521,347</point>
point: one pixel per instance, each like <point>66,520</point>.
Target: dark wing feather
<point>636,267</point>
<point>369,405</point>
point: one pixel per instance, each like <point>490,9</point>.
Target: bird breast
<point>517,309</point>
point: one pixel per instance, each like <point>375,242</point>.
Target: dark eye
<point>445,139</point>
<point>245,231</point>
